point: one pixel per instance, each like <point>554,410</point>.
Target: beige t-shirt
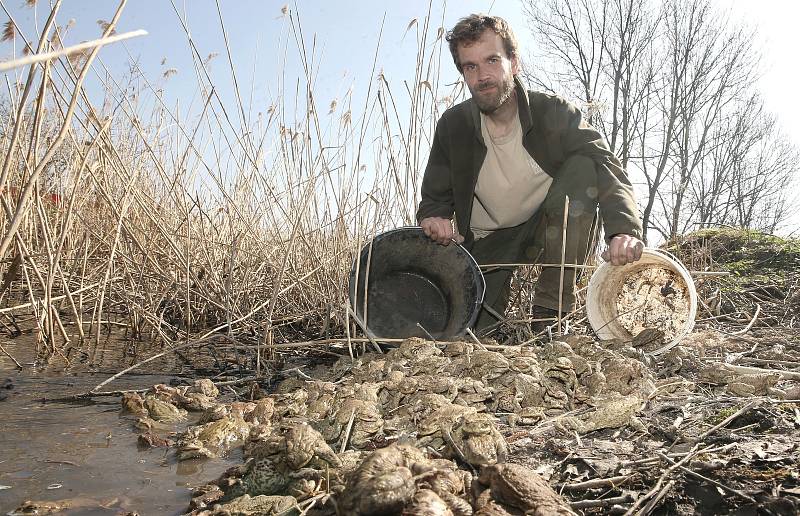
<point>511,185</point>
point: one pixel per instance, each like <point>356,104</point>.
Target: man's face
<point>488,71</point>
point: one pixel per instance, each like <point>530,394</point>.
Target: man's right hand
<point>440,230</point>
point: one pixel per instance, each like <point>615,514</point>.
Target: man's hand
<point>440,230</point>
<point>623,249</point>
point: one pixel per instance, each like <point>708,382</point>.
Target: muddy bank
<point>602,427</point>
<point>83,452</point>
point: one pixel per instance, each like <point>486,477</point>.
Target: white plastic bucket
<point>606,283</point>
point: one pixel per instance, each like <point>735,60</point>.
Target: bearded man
<point>500,167</point>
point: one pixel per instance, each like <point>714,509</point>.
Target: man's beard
<point>489,103</point>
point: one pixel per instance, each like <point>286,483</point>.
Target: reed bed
<point>183,226</point>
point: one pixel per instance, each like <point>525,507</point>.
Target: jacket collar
<point>523,110</point>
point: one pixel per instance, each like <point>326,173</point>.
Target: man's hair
<point>469,29</point>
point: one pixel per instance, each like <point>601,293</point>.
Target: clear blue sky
<point>346,37</point>
<point>347,33</point>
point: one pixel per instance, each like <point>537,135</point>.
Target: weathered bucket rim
<point>354,273</point>
<point>598,319</point>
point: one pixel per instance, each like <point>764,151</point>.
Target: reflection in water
<point>89,450</point>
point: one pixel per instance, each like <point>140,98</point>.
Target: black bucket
<point>415,282</point>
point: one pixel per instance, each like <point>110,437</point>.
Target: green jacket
<point>553,131</point>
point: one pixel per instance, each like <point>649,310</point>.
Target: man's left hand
<point>623,249</point>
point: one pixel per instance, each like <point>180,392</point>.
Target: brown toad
<point>261,505</point>
<point>163,411</point>
<point>133,404</point>
<point>427,503</point>
<point>476,440</point>
<point>382,484</point>
<point>367,422</point>
<point>213,439</point>
<point>450,484</point>
<point>518,488</point>
<point>293,462</point>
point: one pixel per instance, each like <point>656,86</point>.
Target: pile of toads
<point>418,430</point>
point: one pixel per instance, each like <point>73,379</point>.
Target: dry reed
<point>185,224</point>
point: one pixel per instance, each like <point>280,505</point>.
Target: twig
<point>90,395</point>
<point>657,489</point>
<point>598,482</point>
<point>709,480</point>
<point>74,49</point>
<point>65,462</point>
<point>57,298</point>
<point>347,431</point>
<point>647,509</point>
<point>150,359</point>
<point>602,502</point>
<point>728,419</point>
<point>785,375</point>
<point>648,460</point>
<point>421,327</point>
<point>9,355</point>
<point>563,260</point>
<point>364,328</point>
<point>750,324</point>
<point>506,265</point>
<point>477,342</point>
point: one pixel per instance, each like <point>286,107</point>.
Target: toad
<point>519,489</point>
<point>476,440</point>
<point>382,483</point>
<point>261,505</point>
<point>292,462</point>
<point>162,410</point>
<point>213,439</point>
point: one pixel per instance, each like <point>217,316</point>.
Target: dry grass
<point>186,225</point>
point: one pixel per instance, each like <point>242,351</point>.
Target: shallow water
<point>86,452</point>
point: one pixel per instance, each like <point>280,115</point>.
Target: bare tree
<point>671,86</point>
<point>570,36</point>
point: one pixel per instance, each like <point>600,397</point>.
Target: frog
<point>628,376</point>
<point>214,438</point>
<point>261,505</point>
<point>163,411</point>
<point>214,413</point>
<point>205,387</point>
<point>382,484</point>
<point>559,382</point>
<point>516,488</point>
<point>612,411</point>
<point>292,461</point>
<point>70,505</point>
<point>450,484</point>
<point>472,392</point>
<point>367,422</point>
<point>150,439</point>
<point>196,397</point>
<point>425,502</point>
<point>488,366</point>
<point>415,348</point>
<point>649,339</point>
<point>262,412</point>
<point>434,429</point>
<point>476,440</point>
<point>147,424</point>
<point>133,403</point>
<point>741,384</point>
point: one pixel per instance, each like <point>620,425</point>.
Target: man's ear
<point>514,65</point>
